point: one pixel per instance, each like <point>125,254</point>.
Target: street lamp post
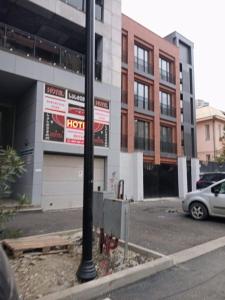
<point>86,270</point>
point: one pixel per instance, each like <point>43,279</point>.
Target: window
<point>166,144</point>
<point>142,141</point>
<point>165,70</point>
<point>166,134</point>
<point>192,110</point>
<point>81,5</point>
<point>124,88</point>
<point>207,132</point>
<point>207,157</point>
<point>166,104</point>
<point>124,48</point>
<point>141,95</point>
<point>191,81</point>
<point>141,59</point>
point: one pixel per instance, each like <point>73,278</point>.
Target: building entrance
<point>6,125</point>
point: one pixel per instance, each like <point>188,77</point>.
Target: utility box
<point>116,218</point>
<point>111,214</point>
<point>98,199</point>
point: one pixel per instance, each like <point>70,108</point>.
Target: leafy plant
<point>11,167</point>
<point>23,199</point>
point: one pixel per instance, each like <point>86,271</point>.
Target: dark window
<point>6,126</point>
<point>166,104</point>
<point>141,95</point>
<point>141,58</point>
<point>166,144</point>
<point>192,110</point>
<point>142,141</point>
<point>165,67</point>
<point>191,81</point>
<point>124,48</point>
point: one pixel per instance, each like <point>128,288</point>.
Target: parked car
<point>209,201</point>
<point>206,179</point>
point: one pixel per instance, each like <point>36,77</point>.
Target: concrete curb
<point>109,283</point>
<point>191,253</point>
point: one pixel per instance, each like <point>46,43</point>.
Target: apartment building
<point>150,106</point>
<point>210,132</point>
<point>42,65</point>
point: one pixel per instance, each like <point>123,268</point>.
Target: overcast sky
<point>203,22</point>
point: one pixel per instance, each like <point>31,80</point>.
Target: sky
<point>202,22</point>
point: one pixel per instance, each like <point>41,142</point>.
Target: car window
<point>208,177</point>
<point>219,188</point>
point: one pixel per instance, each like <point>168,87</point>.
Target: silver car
<point>209,201</point>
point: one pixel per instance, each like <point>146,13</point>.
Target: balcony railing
<point>81,5</point>
<point>167,147</point>
<point>124,141</point>
<point>144,144</point>
<point>143,66</point>
<point>142,102</point>
<point>167,110</point>
<point>124,97</point>
<point>167,76</point>
<point>34,47</point>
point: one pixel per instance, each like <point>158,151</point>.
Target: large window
<point>166,104</point>
<point>142,141</point>
<point>141,57</point>
<point>166,142</point>
<point>81,5</point>
<point>141,95</point>
<point>124,48</point>
<point>166,70</point>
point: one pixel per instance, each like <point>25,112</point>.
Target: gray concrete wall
<point>25,139</point>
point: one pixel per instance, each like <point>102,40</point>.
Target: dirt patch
<point>39,275</point>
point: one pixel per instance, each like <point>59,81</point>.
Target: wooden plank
<point>45,244</point>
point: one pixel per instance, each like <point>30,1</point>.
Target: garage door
<point>63,181</point>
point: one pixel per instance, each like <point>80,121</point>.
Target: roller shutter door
<point>63,180</point>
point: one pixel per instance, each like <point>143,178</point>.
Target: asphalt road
<point>157,225</point>
<point>199,279</point>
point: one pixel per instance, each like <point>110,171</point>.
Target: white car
<point>209,201</point>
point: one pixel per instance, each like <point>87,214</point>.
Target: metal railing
<point>81,5</point>
<point>143,66</point>
<point>124,96</point>
<point>167,110</point>
<point>142,102</point>
<point>124,141</point>
<point>167,76</point>
<point>34,47</point>
<point>167,147</point>
<point>144,144</point>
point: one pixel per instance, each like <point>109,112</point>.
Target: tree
<point>11,167</point>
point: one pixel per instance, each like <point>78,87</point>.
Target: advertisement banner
<point>64,112</point>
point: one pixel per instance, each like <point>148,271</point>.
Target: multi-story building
<point>150,105</point>
<point>42,64</point>
<point>210,132</point>
<point>187,99</point>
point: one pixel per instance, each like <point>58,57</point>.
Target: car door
<point>217,199</point>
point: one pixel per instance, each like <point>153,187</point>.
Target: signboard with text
<point>64,112</point>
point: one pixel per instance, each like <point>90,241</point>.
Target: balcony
<point>81,5</point>
<point>124,97</point>
<point>143,66</point>
<point>167,147</point>
<point>167,110</point>
<point>143,103</point>
<point>167,76</point>
<point>33,47</point>
<point>124,142</point>
<point>143,144</point>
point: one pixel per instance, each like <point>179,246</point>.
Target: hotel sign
<point>64,112</point>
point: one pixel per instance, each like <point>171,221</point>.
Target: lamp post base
<point>86,271</point>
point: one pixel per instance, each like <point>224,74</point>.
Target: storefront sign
<point>64,112</point>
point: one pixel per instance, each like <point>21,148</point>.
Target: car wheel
<point>198,211</point>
